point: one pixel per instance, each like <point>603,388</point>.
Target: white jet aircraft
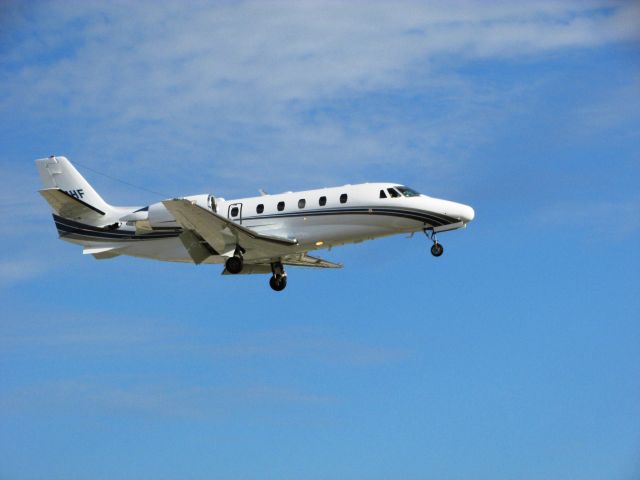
<point>248,235</point>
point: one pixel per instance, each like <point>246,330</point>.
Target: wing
<point>297,260</point>
<point>223,235</point>
<point>304,260</point>
<point>207,233</point>
<point>68,206</point>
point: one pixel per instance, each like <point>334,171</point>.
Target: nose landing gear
<point>278,281</point>
<point>436,249</point>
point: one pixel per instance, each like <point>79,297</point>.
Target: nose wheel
<point>436,249</point>
<point>278,281</point>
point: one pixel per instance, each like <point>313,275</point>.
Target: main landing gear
<point>234,264</point>
<point>278,281</point>
<point>436,249</point>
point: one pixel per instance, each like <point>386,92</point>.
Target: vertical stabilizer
<point>58,172</point>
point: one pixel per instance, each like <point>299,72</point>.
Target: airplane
<point>255,235</point>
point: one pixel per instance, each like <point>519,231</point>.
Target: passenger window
<point>323,201</point>
<point>260,208</point>
<point>235,211</point>
<point>382,194</point>
<point>393,193</point>
<point>280,206</point>
<point>301,203</point>
<point>343,198</point>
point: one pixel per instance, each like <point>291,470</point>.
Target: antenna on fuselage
<point>262,192</point>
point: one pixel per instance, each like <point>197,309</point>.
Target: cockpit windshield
<point>407,192</point>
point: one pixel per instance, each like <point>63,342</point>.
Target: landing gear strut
<point>436,249</point>
<point>279,279</point>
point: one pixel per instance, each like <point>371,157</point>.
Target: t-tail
<point>69,193</point>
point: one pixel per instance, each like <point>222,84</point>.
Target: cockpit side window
<point>393,193</point>
<point>382,194</point>
<point>407,192</point>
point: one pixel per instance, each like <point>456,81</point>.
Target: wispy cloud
<point>92,337</point>
<point>308,343</point>
<point>18,270</point>
<point>189,86</point>
<point>74,332</point>
<point>99,397</point>
<point>615,111</point>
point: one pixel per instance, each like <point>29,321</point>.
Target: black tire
<point>278,284</point>
<point>437,249</point>
<point>234,264</point>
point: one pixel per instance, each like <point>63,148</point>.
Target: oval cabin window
<point>280,206</point>
<point>343,198</point>
<point>260,208</point>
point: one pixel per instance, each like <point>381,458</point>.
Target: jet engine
<point>156,217</point>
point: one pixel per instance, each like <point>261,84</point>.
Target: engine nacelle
<point>156,216</point>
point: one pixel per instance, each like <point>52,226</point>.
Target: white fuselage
<point>315,219</point>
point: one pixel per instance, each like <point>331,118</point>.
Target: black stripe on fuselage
<point>68,227</point>
<point>432,218</point>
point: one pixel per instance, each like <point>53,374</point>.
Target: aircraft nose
<point>466,213</point>
<point>461,211</point>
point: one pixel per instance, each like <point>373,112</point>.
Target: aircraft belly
<point>329,229</point>
<point>166,249</point>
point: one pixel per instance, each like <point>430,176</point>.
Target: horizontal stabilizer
<point>68,206</point>
<point>103,253</point>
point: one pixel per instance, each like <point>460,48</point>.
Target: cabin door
<point>235,212</point>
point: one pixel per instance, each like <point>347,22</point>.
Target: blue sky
<point>515,355</point>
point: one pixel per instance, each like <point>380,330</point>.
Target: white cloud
<point>617,111</point>
<point>72,332</point>
<point>233,87</point>
<point>307,343</point>
<point>100,396</point>
<point>18,270</point>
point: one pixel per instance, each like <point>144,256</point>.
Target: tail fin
<point>68,193</point>
<point>58,172</point>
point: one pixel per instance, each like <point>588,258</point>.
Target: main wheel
<point>234,264</point>
<point>437,250</point>
<point>278,283</point>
